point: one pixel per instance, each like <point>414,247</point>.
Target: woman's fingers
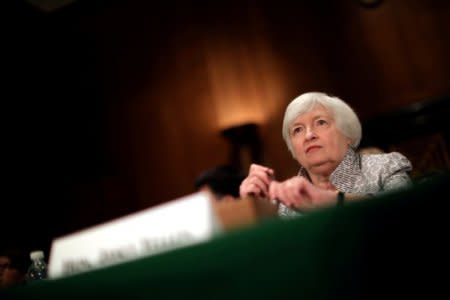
<point>252,186</point>
<point>300,194</point>
<point>263,173</point>
<point>288,192</point>
<point>257,182</point>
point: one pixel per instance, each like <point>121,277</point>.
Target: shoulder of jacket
<point>383,156</point>
<point>394,160</point>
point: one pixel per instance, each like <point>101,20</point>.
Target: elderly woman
<point>322,133</point>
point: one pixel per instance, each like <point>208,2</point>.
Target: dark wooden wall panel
<point>258,58</point>
<point>164,78</point>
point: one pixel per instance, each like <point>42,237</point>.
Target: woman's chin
<point>321,166</point>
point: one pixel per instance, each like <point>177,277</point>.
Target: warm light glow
<point>245,81</point>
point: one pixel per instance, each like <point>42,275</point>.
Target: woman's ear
<point>349,142</point>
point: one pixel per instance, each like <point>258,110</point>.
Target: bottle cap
<point>37,255</point>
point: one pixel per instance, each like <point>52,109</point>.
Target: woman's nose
<point>310,134</point>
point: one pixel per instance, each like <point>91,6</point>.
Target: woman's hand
<point>257,182</point>
<point>300,194</point>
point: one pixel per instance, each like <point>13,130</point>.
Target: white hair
<point>346,119</point>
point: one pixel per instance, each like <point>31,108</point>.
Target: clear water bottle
<point>38,267</point>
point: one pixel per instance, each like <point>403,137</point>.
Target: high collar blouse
<point>365,175</point>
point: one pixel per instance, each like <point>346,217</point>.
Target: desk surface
<point>387,245</point>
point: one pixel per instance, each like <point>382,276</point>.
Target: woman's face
<point>318,144</point>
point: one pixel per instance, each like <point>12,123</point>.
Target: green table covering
<point>388,246</point>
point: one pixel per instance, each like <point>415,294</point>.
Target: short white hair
<point>346,119</point>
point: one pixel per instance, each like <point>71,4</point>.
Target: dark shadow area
<point>419,130</point>
<point>54,107</point>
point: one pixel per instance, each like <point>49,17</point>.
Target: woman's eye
<point>297,130</point>
<point>321,122</point>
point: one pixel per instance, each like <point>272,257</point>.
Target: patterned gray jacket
<point>364,174</point>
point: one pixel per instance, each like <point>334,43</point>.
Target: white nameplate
<point>181,222</point>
